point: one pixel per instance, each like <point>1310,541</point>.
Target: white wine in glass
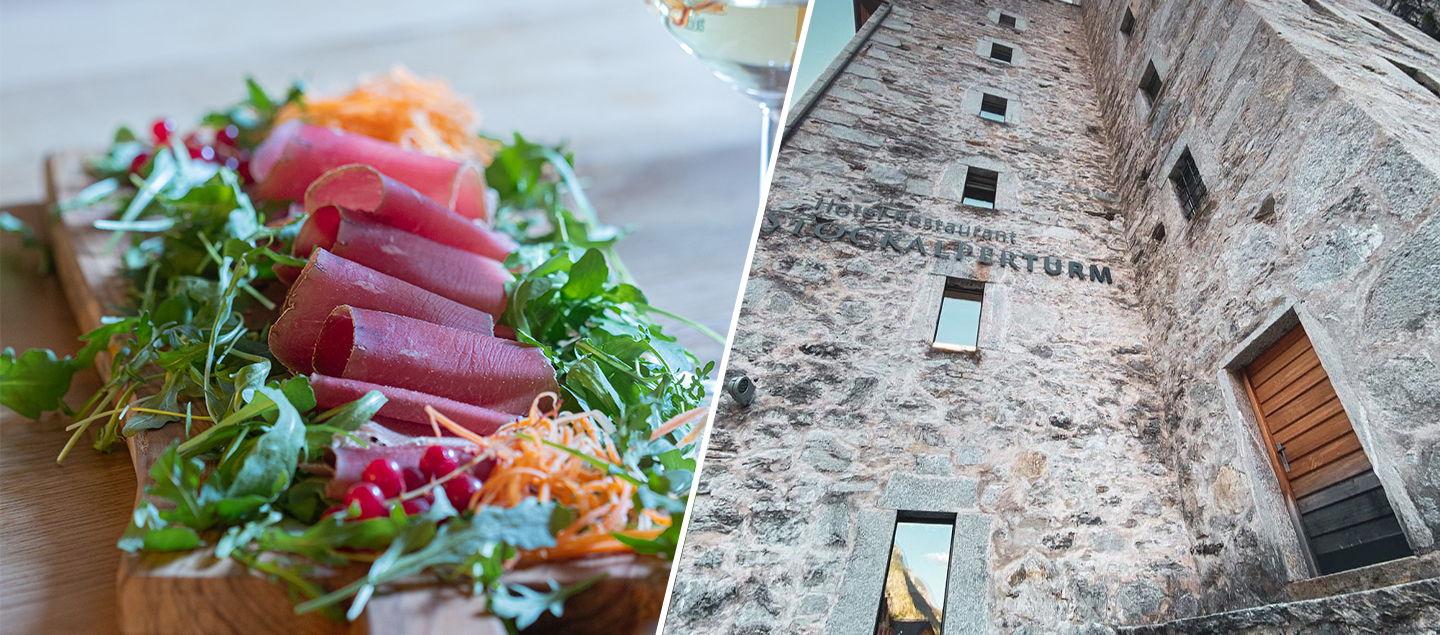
<point>748,43</point>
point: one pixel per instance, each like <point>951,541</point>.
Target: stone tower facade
<point>1095,450</point>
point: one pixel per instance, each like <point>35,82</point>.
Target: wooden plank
<point>1350,512</point>
<point>192,592</point>
<point>1372,531</point>
<point>1286,375</point>
<point>1263,374</point>
<point>1329,453</point>
<point>1301,387</point>
<point>1270,452</point>
<point>1364,482</point>
<point>1301,406</point>
<point>1278,349</point>
<point>1348,466</point>
<point>1318,436</point>
<point>1288,431</point>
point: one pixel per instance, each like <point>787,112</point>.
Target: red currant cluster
<point>222,148</point>
<point>384,480</point>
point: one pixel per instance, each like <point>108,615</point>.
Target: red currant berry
<point>162,129</point>
<point>369,498</point>
<point>232,163</point>
<point>461,489</point>
<point>226,136</point>
<point>413,479</point>
<point>244,170</point>
<point>385,474</point>
<point>205,153</point>
<point>139,162</point>
<point>438,461</point>
<point>417,506</point>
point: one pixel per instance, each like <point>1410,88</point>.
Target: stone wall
<point>1321,160</point>
<point>1048,441</point>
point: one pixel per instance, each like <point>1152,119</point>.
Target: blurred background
<point>663,144</point>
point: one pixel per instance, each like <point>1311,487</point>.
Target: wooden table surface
<point>663,144</point>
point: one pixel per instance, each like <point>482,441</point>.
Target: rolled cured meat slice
<point>295,154</point>
<point>474,281</point>
<point>408,406</point>
<point>328,281</point>
<point>403,352</point>
<point>361,188</point>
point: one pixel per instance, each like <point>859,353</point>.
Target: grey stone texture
<point>1102,466</point>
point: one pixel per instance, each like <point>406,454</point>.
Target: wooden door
<point>1343,510</point>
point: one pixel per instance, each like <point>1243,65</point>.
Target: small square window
<point>993,107</point>
<point>958,327</point>
<point>1150,83</point>
<point>1007,20</point>
<point>1001,53</point>
<point>980,187</point>
<point>1127,23</point>
<point>1189,187</point>
<point>913,602</point>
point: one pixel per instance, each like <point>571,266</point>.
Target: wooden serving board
<point>195,593</point>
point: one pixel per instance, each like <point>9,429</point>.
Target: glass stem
<point>769,133</point>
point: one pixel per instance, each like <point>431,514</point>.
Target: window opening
<point>914,599</point>
<point>1007,20</point>
<point>993,107</point>
<point>1188,184</point>
<point>1127,23</point>
<point>1424,80</point>
<point>1344,513</point>
<point>958,327</point>
<point>1002,53</point>
<point>1150,83</point>
<point>981,186</point>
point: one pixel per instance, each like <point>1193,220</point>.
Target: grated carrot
<point>525,466</point>
<point>420,114</point>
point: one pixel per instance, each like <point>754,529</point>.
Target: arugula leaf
<point>35,381</point>
<point>267,470</point>
<point>525,605</point>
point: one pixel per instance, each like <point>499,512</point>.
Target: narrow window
<point>980,187</point>
<point>914,598</point>
<point>1001,53</point>
<point>958,328</point>
<point>1127,23</point>
<point>1425,81</point>
<point>1188,184</point>
<point>993,107</point>
<point>1007,20</point>
<point>1150,83</point>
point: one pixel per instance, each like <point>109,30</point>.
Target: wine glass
<point>748,43</point>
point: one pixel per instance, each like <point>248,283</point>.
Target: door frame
<point>1272,492</point>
